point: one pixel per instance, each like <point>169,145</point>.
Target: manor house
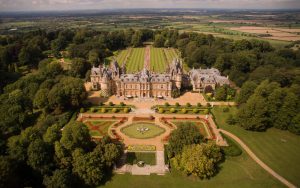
<point>147,84</point>
<point>115,80</point>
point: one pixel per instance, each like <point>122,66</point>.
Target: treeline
<point>38,144</point>
<point>268,105</point>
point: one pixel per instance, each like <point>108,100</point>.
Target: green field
<point>199,124</point>
<point>136,59</point>
<point>132,130</point>
<point>278,149</point>
<point>134,157</point>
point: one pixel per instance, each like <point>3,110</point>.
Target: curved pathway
<point>257,160</point>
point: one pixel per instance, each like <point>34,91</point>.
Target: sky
<point>40,5</point>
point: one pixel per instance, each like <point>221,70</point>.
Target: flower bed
<point>141,148</point>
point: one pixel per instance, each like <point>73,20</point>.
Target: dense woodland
<point>38,98</point>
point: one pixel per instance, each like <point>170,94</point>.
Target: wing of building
<point>202,79</point>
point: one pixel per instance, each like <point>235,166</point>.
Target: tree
<point>39,156</point>
<point>8,176</point>
<point>17,145</point>
<point>289,109</point>
<point>246,91</point>
<point>40,99</point>
<point>79,68</point>
<point>294,127</point>
<point>111,153</point>
<point>52,134</point>
<point>221,93</point>
<point>94,57</point>
<point>159,41</point>
<point>75,135</point>
<point>136,40</point>
<point>253,115</point>
<point>84,166</point>
<point>185,134</point>
<point>199,160</point>
<point>61,178</point>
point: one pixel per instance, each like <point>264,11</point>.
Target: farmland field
<point>136,60</point>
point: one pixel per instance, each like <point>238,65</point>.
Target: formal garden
<point>99,128</point>
<point>142,130</point>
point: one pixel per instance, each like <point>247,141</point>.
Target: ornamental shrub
<point>126,110</point>
<point>103,110</point>
<point>110,104</point>
<point>177,104</point>
<point>172,110</point>
<point>93,110</point>
<point>81,110</point>
<point>195,110</point>
<point>161,110</point>
<point>205,111</point>
<point>188,104</point>
<point>167,104</point>
<point>199,104</point>
<point>183,110</point>
<point>114,110</point>
<point>122,104</point>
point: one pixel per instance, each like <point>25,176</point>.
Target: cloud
<point>6,5</point>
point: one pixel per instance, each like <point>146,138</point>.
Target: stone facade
<point>147,84</point>
<point>202,79</point>
<point>144,84</point>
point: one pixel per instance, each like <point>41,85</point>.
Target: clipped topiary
<point>183,110</point>
<point>103,110</point>
<point>172,110</point>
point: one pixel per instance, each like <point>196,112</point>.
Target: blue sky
<point>27,5</point>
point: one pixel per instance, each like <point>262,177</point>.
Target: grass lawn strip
<point>134,157</point>
<point>132,130</point>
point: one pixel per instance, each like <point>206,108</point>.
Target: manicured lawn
<point>134,157</point>
<point>158,60</point>
<point>171,54</point>
<point>278,149</point>
<point>132,130</point>
<point>136,60</point>
<point>237,172</point>
<point>199,124</point>
<point>121,58</point>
